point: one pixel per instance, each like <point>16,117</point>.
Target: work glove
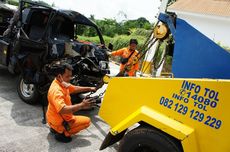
<point>128,67</point>
<point>109,54</point>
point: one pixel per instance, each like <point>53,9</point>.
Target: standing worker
<point>60,110</point>
<point>129,62</point>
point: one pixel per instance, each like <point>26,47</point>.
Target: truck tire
<point>27,92</point>
<point>145,139</point>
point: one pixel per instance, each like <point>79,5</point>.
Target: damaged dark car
<point>44,36</point>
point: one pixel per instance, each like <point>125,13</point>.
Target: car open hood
<point>77,17</point>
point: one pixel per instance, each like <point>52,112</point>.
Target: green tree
<point>139,23</point>
<point>109,27</point>
<point>44,3</point>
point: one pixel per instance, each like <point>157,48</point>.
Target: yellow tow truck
<point>187,113</point>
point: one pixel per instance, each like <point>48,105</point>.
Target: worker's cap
<point>133,41</point>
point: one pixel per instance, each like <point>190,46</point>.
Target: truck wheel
<point>27,92</point>
<point>148,140</point>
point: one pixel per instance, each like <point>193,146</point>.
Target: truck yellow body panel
<point>195,111</point>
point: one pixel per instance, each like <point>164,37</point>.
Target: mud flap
<point>111,139</point>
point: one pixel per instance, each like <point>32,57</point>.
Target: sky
<point>114,9</point>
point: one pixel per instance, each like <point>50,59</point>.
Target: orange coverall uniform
<point>58,97</point>
<point>125,52</point>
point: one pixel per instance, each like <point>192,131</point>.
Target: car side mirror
<point>110,47</point>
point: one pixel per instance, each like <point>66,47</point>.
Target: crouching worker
<point>60,110</point>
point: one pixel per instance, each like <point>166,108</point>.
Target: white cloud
<point>110,8</point>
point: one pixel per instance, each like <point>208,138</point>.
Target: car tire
<point>148,140</point>
<point>27,92</point>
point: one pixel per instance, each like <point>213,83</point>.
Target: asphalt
<point>21,128</point>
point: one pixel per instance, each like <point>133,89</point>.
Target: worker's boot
<point>53,131</point>
<point>60,137</point>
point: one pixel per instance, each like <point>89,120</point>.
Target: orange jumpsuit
<point>58,97</point>
<point>125,52</point>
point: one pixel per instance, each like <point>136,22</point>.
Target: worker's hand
<point>135,60</point>
<point>86,104</point>
<point>93,89</point>
<point>128,67</point>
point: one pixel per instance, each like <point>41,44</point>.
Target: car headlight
<point>104,65</point>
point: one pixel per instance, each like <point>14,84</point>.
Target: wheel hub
<point>27,90</point>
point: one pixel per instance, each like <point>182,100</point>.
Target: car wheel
<point>144,139</point>
<point>27,92</point>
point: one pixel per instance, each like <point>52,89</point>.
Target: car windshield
<point>62,28</point>
<point>86,33</point>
